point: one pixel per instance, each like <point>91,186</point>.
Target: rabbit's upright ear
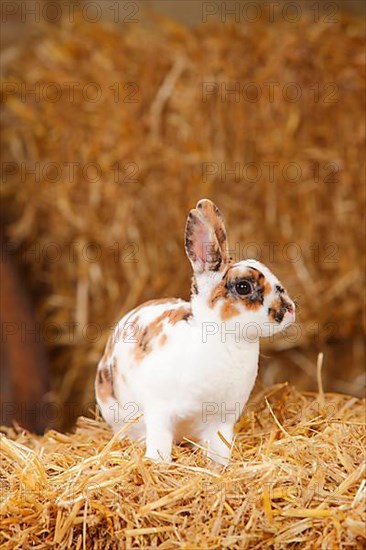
<point>214,218</point>
<point>201,243</point>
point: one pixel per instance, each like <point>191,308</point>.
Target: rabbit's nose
<point>290,308</point>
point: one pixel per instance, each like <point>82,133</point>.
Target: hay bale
<point>153,144</point>
<point>297,478</point>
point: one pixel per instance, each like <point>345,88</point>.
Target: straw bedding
<point>296,480</point>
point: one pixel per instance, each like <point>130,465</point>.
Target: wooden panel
<point>23,367</point>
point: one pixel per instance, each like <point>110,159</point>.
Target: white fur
<point>191,386</point>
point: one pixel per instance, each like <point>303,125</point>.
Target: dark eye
<point>243,288</point>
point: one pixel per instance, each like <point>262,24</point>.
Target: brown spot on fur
<point>278,309</point>
<point>194,288</point>
<point>143,346</point>
<point>267,288</point>
<point>154,329</point>
<point>228,310</point>
<point>274,309</point>
<point>220,290</point>
<point>162,340</point>
<point>253,306</point>
<point>177,314</point>
<point>106,370</point>
<point>104,384</point>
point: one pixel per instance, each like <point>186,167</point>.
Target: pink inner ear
<point>200,236</point>
<point>205,245</point>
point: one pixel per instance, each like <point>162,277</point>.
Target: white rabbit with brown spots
<point>189,367</point>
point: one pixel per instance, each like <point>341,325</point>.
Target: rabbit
<point>189,367</point>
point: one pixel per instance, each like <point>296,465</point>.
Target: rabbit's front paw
<point>158,456</point>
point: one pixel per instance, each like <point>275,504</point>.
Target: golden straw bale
<point>101,229</point>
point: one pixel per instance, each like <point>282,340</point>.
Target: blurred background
<point>116,118</point>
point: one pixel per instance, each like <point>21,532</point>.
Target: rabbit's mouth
<point>289,317</point>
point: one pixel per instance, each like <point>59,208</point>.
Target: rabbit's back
<point>148,328</point>
<point>141,342</point>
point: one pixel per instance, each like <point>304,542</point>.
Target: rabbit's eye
<point>243,288</point>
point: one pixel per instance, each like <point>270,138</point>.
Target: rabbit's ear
<point>201,244</point>
<point>214,218</point>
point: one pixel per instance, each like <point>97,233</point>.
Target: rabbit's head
<point>245,292</point>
